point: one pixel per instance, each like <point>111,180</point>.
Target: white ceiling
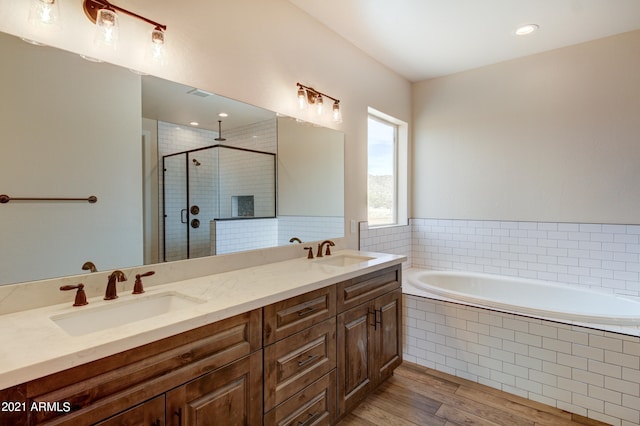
<point>422,39</point>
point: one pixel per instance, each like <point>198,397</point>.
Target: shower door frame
<point>186,154</point>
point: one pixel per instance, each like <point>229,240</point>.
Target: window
<point>387,166</point>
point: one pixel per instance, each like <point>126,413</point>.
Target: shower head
<point>196,162</point>
<point>220,138</point>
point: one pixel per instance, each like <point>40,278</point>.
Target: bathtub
<point>535,298</point>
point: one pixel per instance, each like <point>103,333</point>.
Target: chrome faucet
<point>329,243</point>
<point>112,292</point>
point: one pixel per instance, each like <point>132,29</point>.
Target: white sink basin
<point>117,312</point>
<point>343,260</point>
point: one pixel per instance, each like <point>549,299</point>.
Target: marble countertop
<point>34,346</point>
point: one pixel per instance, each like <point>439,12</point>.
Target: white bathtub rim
<point>622,324</point>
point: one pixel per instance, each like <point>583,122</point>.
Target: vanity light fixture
<point>44,13</point>
<point>526,29</point>
<point>310,96</point>
<point>103,14</point>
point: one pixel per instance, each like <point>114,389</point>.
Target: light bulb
<point>337,114</point>
<point>319,105</point>
<point>44,13</point>
<point>526,29</point>
<point>302,98</point>
<point>157,47</point>
<point>107,29</point>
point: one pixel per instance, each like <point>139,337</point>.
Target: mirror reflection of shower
<point>196,162</point>
<point>220,138</point>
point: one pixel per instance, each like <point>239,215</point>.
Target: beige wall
<point>549,137</point>
<point>310,179</point>
<point>61,137</point>
<point>251,50</point>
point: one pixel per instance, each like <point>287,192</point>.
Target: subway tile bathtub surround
<point>588,372</point>
<point>388,239</point>
<point>599,256</point>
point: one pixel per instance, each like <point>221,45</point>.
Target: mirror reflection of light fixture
<point>44,13</point>
<point>103,14</point>
<point>310,96</point>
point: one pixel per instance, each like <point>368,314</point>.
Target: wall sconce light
<point>103,14</point>
<point>44,13</point>
<point>309,96</point>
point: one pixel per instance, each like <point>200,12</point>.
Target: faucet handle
<point>329,245</point>
<point>137,287</point>
<point>81,296</point>
<point>310,255</point>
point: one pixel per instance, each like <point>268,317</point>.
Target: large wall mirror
<point>167,189</point>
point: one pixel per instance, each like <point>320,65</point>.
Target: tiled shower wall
<point>174,138</point>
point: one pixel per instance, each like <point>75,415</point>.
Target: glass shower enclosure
<point>218,182</point>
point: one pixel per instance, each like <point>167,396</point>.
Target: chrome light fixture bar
<point>310,96</point>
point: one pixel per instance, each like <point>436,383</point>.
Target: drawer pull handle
<point>178,413</point>
<point>312,417</point>
<point>306,311</point>
<point>311,358</point>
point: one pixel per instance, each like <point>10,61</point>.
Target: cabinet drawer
<point>102,388</point>
<point>149,413</point>
<point>312,406</point>
<point>295,362</point>
<point>290,316</point>
<point>366,287</point>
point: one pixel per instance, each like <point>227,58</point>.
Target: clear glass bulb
<point>44,13</point>
<point>157,47</point>
<point>319,105</point>
<point>302,98</point>
<point>107,29</point>
<point>337,114</point>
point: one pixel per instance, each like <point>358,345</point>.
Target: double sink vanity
<point>297,341</point>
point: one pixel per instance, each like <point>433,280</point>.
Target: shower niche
<point>206,186</point>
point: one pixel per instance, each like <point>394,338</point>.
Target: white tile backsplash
<point>599,256</point>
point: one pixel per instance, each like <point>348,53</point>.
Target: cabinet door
<point>355,356</point>
<point>150,413</point>
<point>229,396</point>
<point>388,334</point>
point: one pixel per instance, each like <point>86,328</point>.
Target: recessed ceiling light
<point>194,123</point>
<point>223,114</point>
<point>526,29</point>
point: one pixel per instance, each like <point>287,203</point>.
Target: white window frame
<point>401,168</point>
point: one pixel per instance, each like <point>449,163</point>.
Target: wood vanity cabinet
<point>208,365</point>
<point>317,356</point>
<point>149,413</point>
<point>300,359</point>
<point>352,345</point>
<point>230,396</point>
<point>369,335</point>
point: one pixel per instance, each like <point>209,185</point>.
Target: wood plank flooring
<point>418,395</point>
